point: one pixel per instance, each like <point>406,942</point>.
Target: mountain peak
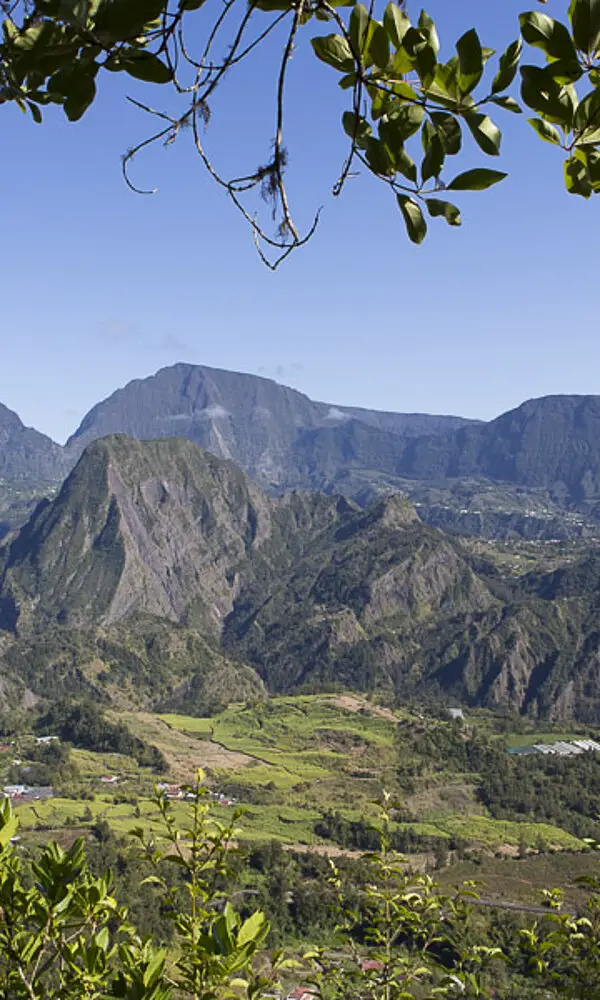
<point>138,527</point>
<point>25,454</point>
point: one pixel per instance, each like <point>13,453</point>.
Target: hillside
<point>552,442</point>
<point>161,575</point>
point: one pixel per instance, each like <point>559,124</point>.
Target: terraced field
<point>286,762</point>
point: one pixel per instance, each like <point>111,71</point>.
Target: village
<point>21,792</point>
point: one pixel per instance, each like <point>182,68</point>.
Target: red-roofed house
<point>371,965</point>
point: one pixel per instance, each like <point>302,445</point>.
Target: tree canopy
<point>408,111</point>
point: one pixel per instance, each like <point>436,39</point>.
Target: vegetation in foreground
<point>393,933</point>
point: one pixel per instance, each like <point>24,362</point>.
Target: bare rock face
<point>153,528</point>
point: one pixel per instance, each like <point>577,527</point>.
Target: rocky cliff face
<point>25,454</point>
<point>152,528</point>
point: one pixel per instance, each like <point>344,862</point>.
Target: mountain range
<point>534,471</point>
<point>163,576</point>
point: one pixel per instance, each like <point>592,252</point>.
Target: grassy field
<point>287,761</point>
<point>308,746</point>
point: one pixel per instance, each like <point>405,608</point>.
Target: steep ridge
<point>552,442</point>
<point>27,455</point>
<point>161,575</point>
<point>146,528</point>
<point>251,420</point>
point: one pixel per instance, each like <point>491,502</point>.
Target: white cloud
<point>213,412</point>
<point>334,414</point>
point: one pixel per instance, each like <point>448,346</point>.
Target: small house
<point>301,993</point>
<point>371,965</point>
<point>14,791</point>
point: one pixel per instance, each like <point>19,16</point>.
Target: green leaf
<point>476,180</point>
<point>585,23</point>
<point>404,90</point>
<point>545,33</point>
<point>422,52</point>
<point>564,70</point>
<point>433,161</point>
<point>508,103</point>
<point>28,38</point>
<point>8,829</point>
<point>254,929</point>
<point>593,165</point>
<point>380,158</point>
<point>379,47</point>
<point>508,65</point>
<point>119,20</point>
<point>436,207</point>
<point>445,81</point>
<point>470,61</point>
<point>545,131</point>
<point>358,27</point>
<point>396,24</point>
<point>407,120</point>
<point>588,112</point>
<point>552,101</point>
<point>402,62</point>
<point>191,4</point>
<point>347,81</point>
<point>487,135</point>
<point>80,96</point>
<point>590,137</point>
<point>36,114</point>
<point>102,939</point>
<point>427,25</point>
<point>414,220</point>
<point>576,177</point>
<point>143,65</point>
<point>334,50</point>
<point>357,128</point>
<point>449,131</point>
<point>154,969</point>
<point>427,134</point>
<point>405,164</point>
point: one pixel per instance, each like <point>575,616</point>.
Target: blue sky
<point>100,286</point>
